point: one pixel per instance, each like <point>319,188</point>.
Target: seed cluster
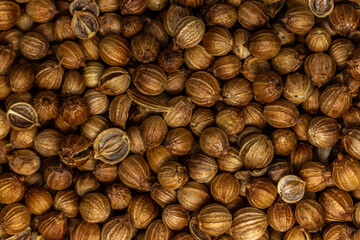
<point>179,119</point>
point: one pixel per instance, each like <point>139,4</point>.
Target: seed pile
<point>179,119</point>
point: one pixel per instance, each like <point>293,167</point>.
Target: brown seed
<point>94,208</point>
<point>143,210</point>
<point>248,223</point>
<point>24,162</point>
<point>254,66</point>
<point>149,79</point>
<point>189,31</point>
<point>81,5</point>
<point>310,215</point>
<point>53,225</point>
<point>237,92</point>
<point>172,175</point>
<point>281,216</point>
<point>84,24</point>
<point>114,50</point>
<point>97,101</point>
<point>301,154</point>
<point>47,105</point>
<point>172,16</point>
<point>20,78</point>
<point>230,162</point>
<point>12,36</point>
<point>320,68</point>
<point>197,58</point>
<point>70,55</point>
<point>338,230</point>
<point>221,14</point>
<point>231,120</point>
<point>335,101</point>
<point>162,196</point>
<point>153,130</point>
<point>318,40</point>
<point>34,46</point>
<point>119,196</point>
<point>226,67</point>
<point>10,13</point>
<point>340,50</point>
<point>131,26</point>
<point>180,112</point>
<point>261,193</point>
<point>264,44</point>
<point>284,141</point>
<point>324,132</point>
<point>301,128</point>
<point>213,219</point>
<point>298,88</point>
<point>5,90</point>
<point>203,88</point>
<point>50,75</point>
<point>201,168</point>
<point>85,230</point>
<point>315,175</point>
<point>267,87</point>
<point>38,200</point>
<point>133,7</point>
<point>57,176</point>
<point>281,114</point>
<point>114,81</point>
<point>214,142</point>
<point>218,41</point>
<point>241,37</point>
<point>15,218</point>
<point>73,150</point>
<point>338,205</point>
<point>224,188</point>
<point>90,48</point>
<point>67,202</point>
<point>22,116</point>
<point>170,60</point>
<point>252,15</point>
<point>297,232</point>
<point>201,119</point>
<point>253,115</point>
<point>145,48</point>
<point>250,147</point>
<point>179,141</point>
<point>118,110</point>
<point>193,196</point>
<point>111,146</point>
<point>41,11</point>
<point>86,183</point>
<point>105,172</point>
<point>344,173</point>
<point>93,126</point>
<point>157,230</point>
<point>321,8</point>
<point>291,188</point>
<point>288,60</point>
<point>298,20</point>
<point>73,84</point>
<point>62,29</point>
<point>110,24</point>
<point>74,110</point>
<point>22,139</point>
<point>119,227</point>
<point>175,216</point>
<point>344,19</point>
<point>134,172</point>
